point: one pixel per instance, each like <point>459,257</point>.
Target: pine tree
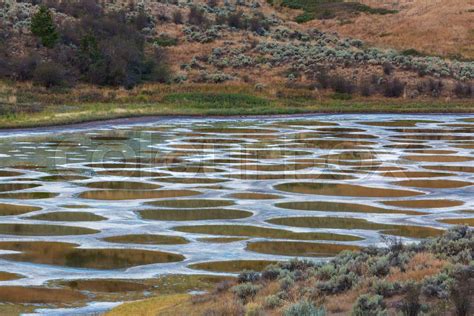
<point>42,25</point>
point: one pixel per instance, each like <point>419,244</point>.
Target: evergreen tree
<point>42,25</point>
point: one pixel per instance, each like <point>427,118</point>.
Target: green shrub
<point>273,301</point>
<point>304,308</point>
<point>410,305</point>
<point>165,41</point>
<point>245,291</point>
<point>369,305</point>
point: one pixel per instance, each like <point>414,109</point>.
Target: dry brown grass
<point>440,27</point>
<point>420,266</point>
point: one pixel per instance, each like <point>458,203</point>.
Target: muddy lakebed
<point>112,208</point>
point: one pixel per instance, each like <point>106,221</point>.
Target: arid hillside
<point>439,27</point>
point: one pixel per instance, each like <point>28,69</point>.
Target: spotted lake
<point>202,196</point>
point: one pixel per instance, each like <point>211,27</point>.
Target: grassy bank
<point>435,277</point>
<point>29,106</point>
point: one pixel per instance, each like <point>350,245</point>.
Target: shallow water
<point>137,201</point>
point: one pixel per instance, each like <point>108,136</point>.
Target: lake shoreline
<point>150,119</point>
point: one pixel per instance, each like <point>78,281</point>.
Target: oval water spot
<point>467,169</point>
<point>105,285</point>
<point>231,130</point>
<point>68,217</point>
<point>232,266</point>
<point>342,189</point>
<point>43,230</point>
<point>192,203</point>
<point>432,151</point>
<point>304,249</point>
<point>342,207</point>
<point>64,177</point>
<point>15,209</point>
<point>117,165</point>
<point>68,255</point>
<point>254,196</point>
<point>118,195</point>
<point>221,240</point>
<point>122,185</point>
<point>6,173</point>
<point>108,138</point>
<point>307,123</point>
<point>262,232</point>
<point>458,221</point>
<point>437,158</point>
<point>75,206</point>
<point>132,173</point>
<point>357,223</point>
<point>397,123</point>
<point>195,169</point>
<point>190,180</point>
<point>193,215</point>
<point>415,174</point>
<point>272,168</point>
<point>438,203</point>
<point>7,276</point>
<point>37,295</point>
<point>434,184</point>
<point>291,176</point>
<point>333,144</point>
<point>28,195</point>
<point>147,239</point>
<point>7,187</point>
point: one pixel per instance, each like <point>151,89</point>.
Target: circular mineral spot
<point>193,215</point>
<point>254,196</point>
<point>190,180</point>
<point>262,232</point>
<point>28,195</point>
<point>7,187</point>
<point>7,276</point>
<point>147,239</point>
<point>398,123</point>
<point>132,173</point>
<point>424,203</point>
<point>116,165</point>
<point>467,169</point>
<point>68,255</point>
<point>14,209</point>
<point>106,285</point>
<point>68,217</point>
<point>304,249</point>
<point>109,138</point>
<point>458,221</point>
<point>195,169</point>
<point>232,266</point>
<point>438,158</point>
<point>357,223</point>
<point>342,207</point>
<point>6,173</point>
<point>65,177</point>
<point>122,185</point>
<point>36,295</point>
<point>415,174</point>
<point>290,176</point>
<point>434,184</point>
<point>110,195</point>
<point>193,203</point>
<point>232,130</point>
<point>221,240</point>
<point>342,189</point>
<point>43,230</point>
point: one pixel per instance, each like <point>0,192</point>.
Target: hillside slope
<point>439,27</point>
